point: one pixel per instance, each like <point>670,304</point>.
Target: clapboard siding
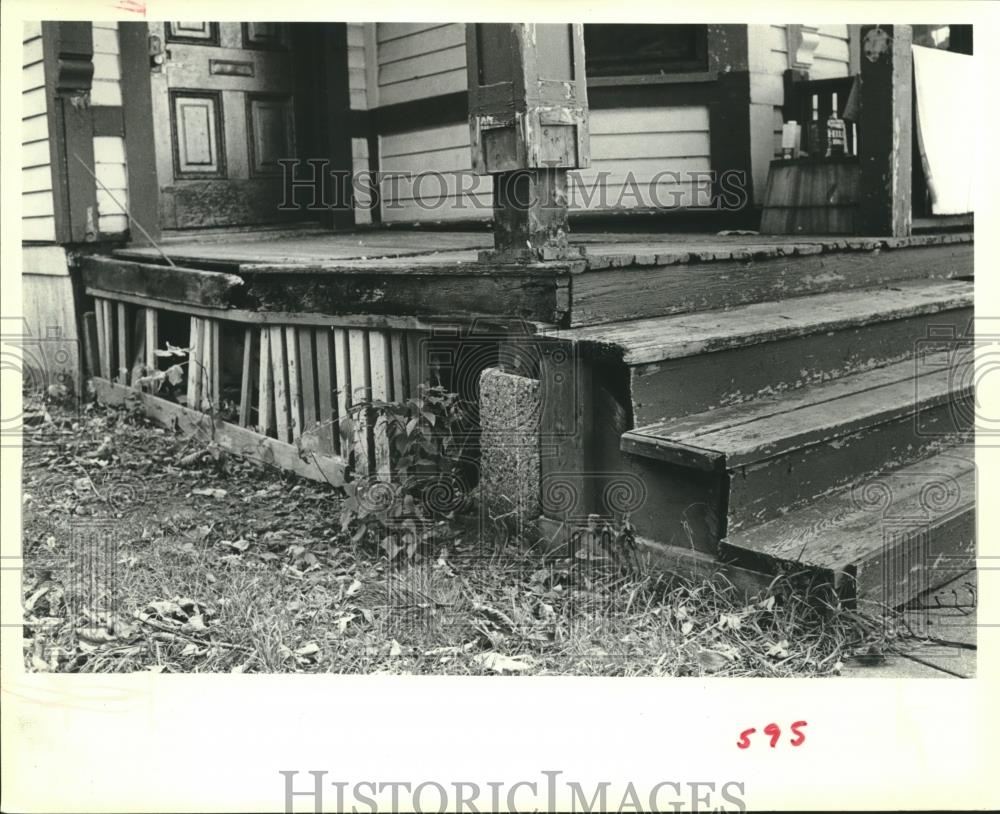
<point>627,145</point>
<point>112,189</point>
<point>356,66</point>
<point>419,60</point>
<point>106,89</point>
<point>644,145</point>
<point>37,203</point>
<point>442,150</point>
<point>832,57</point>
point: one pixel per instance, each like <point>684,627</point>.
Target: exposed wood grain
<point>294,382</point>
<point>194,369</point>
<point>922,514</point>
<point>101,318</point>
<point>265,385</point>
<point>768,427</point>
<point>307,377</point>
<point>279,372</point>
<point>172,284</point>
<point>398,358</point>
<point>657,339</point>
<point>231,438</point>
<point>326,383</point>
<point>246,378</point>
<point>152,327</point>
<point>122,330</point>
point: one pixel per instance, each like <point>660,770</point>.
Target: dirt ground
<point>145,551</point>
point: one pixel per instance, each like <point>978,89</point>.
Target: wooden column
<point>528,122</point>
<point>885,131</point>
<point>69,70</point>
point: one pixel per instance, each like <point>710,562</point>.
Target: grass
<point>213,564</point>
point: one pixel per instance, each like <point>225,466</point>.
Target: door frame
<point>321,111</point>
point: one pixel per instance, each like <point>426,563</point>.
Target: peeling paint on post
<point>886,121</point>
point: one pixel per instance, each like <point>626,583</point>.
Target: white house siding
<point>37,212</point>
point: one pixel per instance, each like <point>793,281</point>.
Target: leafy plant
<point>427,486</point>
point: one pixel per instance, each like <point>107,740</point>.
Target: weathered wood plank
<point>169,283</point>
<point>231,438</point>
<point>194,376</point>
<point>294,382</point>
<point>265,385</point>
<point>636,292</point>
<point>764,428</point>
<point>379,355</point>
<point>246,378</point>
<point>91,345</point>
<point>152,326</point>
<point>103,350</point>
<point>398,364</point>
<point>307,377</point>
<point>279,372</point>
<point>326,382</point>
<point>122,331</point>
<point>361,385</point>
<point>650,340</point>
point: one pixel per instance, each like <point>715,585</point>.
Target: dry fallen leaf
<point>499,663</point>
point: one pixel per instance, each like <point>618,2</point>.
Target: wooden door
<point>222,118</point>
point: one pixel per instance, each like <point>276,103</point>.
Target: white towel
<point>946,126</point>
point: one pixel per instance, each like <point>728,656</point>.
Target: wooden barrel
<point>811,196</point>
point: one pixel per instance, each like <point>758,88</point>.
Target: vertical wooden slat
<point>246,378</point>
<point>307,379</point>
<point>345,398</point>
<point>378,363</point>
<point>294,384</point>
<point>122,344</point>
<point>205,357</point>
<point>215,349</point>
<point>398,357</point>
<point>194,365</point>
<point>138,358</point>
<point>279,371</point>
<point>361,385</point>
<point>101,316</point>
<point>152,325</point>
<point>361,380</point>
<point>326,382</point>
<point>415,362</point>
<point>265,384</point>
<point>344,395</point>
<point>91,344</point>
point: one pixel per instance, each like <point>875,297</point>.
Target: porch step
<point>691,363</point>
<point>886,539</point>
<point>771,455</point>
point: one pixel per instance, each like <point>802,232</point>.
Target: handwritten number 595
<point>773,731</point>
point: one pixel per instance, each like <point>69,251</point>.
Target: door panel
<point>223,118</point>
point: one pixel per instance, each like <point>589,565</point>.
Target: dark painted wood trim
<point>57,147</point>
<point>68,54</point>
<point>108,121</point>
<point>729,136</point>
<point>885,137</point>
<point>420,114</point>
<point>322,94</point>
<point>679,94</point>
<point>140,145</point>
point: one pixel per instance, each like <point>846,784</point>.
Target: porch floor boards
<point>366,249</point>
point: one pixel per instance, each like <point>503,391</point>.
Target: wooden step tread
<point>928,505</point>
<point>655,339</point>
<point>764,428</point>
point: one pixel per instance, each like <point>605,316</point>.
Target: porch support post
<point>885,130</point>
<point>528,123</point>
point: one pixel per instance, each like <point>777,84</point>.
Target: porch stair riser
<point>744,419</point>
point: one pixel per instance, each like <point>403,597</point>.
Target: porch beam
<point>885,131</point>
<point>529,125</point>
